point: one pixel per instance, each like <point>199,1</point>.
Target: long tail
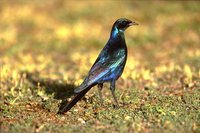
<point>75,99</point>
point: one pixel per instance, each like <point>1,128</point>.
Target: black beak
<point>133,23</point>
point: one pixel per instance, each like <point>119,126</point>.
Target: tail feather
<point>75,99</point>
<point>81,88</point>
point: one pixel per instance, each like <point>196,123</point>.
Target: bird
<point>108,66</point>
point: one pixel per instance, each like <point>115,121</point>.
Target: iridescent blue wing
<point>102,68</point>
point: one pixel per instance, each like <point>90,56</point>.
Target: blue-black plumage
<point>108,66</point>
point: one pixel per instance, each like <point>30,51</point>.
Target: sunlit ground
<point>47,48</point>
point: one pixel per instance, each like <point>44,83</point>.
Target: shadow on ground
<point>61,91</point>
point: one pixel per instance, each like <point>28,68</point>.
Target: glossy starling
<point>108,66</point>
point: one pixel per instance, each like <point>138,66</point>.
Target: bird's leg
<point>112,88</point>
<point>100,87</point>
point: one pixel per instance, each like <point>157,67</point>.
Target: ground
<point>48,47</point>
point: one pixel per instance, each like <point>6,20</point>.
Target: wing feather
<point>102,67</point>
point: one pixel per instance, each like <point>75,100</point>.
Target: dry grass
<point>48,47</point>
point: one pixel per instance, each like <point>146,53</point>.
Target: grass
<point>47,49</point>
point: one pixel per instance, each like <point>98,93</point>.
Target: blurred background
<point>55,42</point>
<point>61,38</point>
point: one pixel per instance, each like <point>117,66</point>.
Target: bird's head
<point>122,24</point>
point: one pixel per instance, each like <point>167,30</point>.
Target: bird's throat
<point>116,33</point>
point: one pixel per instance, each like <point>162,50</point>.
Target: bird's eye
<point>122,25</point>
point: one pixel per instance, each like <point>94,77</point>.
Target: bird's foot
<point>116,106</point>
<point>124,104</point>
